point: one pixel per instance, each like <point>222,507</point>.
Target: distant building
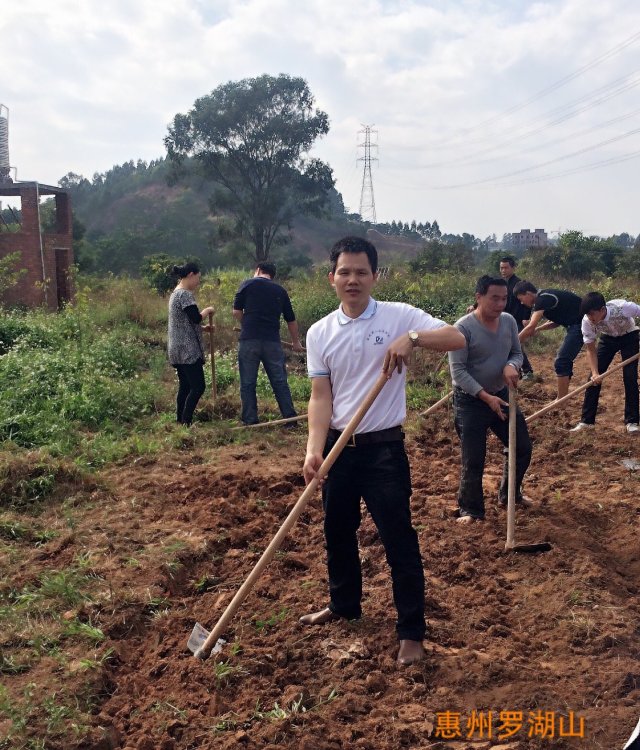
<point>524,239</point>
<point>46,256</point>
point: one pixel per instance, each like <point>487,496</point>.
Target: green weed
<point>17,531</point>
<point>166,707</point>
<point>97,663</point>
<point>271,621</point>
<point>223,670</point>
<point>297,707</point>
<point>8,665</point>
<point>84,630</point>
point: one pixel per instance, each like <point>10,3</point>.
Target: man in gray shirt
<point>482,372</point>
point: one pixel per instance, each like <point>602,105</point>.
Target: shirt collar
<point>369,312</point>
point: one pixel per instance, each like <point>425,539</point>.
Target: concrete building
<point>47,256</point>
<point>524,239</point>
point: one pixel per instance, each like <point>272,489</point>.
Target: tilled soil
<point>553,637</point>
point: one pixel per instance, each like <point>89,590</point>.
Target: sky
<point>488,117</point>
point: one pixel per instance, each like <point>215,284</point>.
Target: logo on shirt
<point>378,336</point>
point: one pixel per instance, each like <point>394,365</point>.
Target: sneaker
<point>633,427</point>
<point>582,426</point>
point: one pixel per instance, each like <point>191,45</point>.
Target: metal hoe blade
<point>198,636</point>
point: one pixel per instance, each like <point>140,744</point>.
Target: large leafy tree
<point>252,137</point>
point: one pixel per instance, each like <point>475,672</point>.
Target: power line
<point>565,113</point>
<point>552,87</point>
<point>569,137</point>
<point>575,170</point>
<point>580,151</point>
<point>539,178</point>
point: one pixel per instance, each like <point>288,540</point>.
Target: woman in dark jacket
<point>186,352</point>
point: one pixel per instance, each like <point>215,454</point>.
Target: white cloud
<point>93,85</point>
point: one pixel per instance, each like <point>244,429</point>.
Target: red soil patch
<point>556,632</point>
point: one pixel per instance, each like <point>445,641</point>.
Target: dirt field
<point>553,636</point>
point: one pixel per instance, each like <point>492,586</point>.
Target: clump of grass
<point>83,630</point>
<point>14,530</point>
<point>88,663</point>
<point>28,478</point>
<point>224,670</point>
<point>9,666</point>
<point>262,624</point>
<point>34,712</point>
<point>300,705</point>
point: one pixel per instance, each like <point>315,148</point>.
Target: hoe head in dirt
<point>197,640</point>
<point>511,545</point>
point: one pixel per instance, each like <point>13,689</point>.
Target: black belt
<point>390,435</point>
<point>457,389</point>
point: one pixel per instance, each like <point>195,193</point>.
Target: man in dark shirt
<point>514,307</point>
<point>560,308</point>
<point>258,305</point>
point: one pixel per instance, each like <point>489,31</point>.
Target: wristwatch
<point>413,337</point>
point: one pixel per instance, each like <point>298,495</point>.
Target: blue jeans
<point>472,418</point>
<point>250,353</point>
<point>568,351</point>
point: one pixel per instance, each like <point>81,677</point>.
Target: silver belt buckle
<point>351,442</point>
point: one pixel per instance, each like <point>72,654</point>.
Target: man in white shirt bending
<point>346,352</point>
<point>614,322</point>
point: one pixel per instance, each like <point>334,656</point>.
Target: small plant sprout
<point>297,707</point>
<point>99,662</point>
<point>223,670</point>
<point>271,621</point>
<point>165,706</point>
<point>85,630</point>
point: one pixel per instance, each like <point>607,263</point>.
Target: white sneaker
<point>633,427</point>
<point>582,426</point>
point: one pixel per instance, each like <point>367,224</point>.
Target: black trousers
<point>378,474</point>
<point>526,365</point>
<point>472,418</point>
<point>190,389</point>
<point>608,347</point>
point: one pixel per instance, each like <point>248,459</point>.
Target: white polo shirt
<point>618,321</point>
<point>351,351</point>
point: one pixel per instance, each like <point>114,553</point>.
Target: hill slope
<point>132,211</point>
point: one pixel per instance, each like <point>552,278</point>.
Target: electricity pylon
<point>367,201</point>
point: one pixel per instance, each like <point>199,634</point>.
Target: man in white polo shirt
<point>614,322</point>
<point>346,351</point>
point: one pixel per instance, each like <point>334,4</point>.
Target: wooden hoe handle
<point>214,388</point>
<point>511,476</point>
<point>290,520</point>
<point>581,388</point>
<point>437,405</point>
